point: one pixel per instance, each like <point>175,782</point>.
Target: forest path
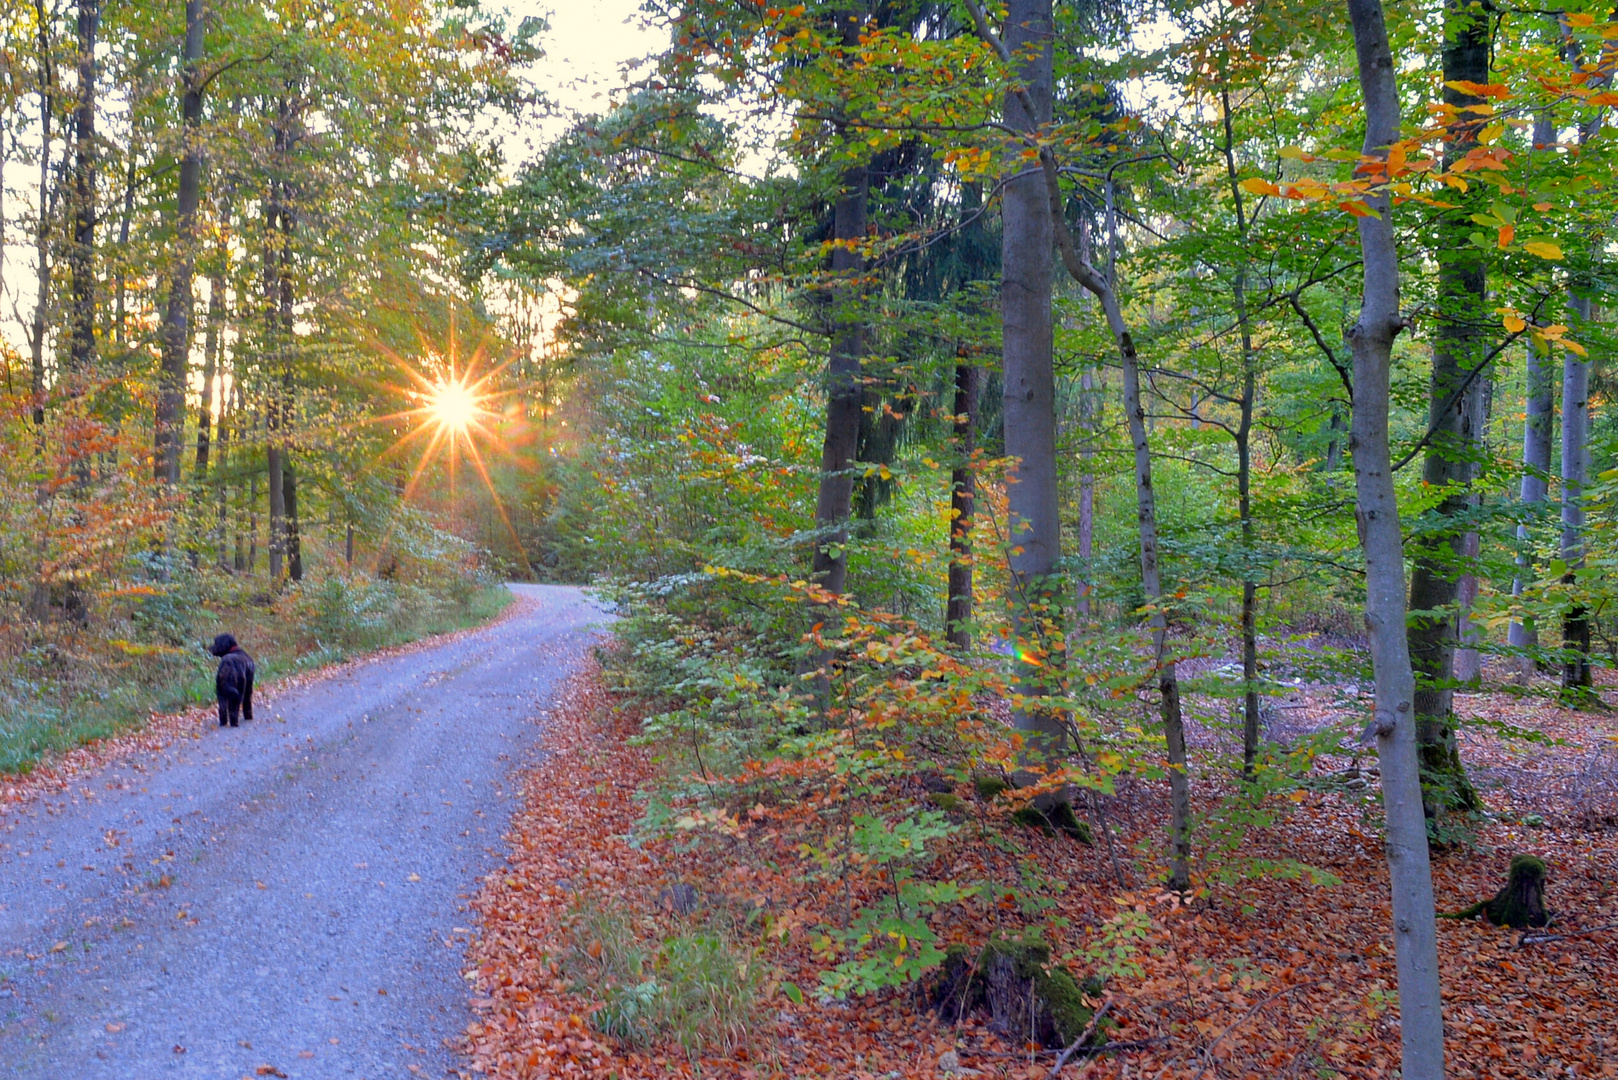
<point>289,898</point>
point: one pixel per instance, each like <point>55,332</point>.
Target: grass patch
<point>696,986</point>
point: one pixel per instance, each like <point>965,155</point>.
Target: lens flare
<point>454,406</point>
<point>454,411</point>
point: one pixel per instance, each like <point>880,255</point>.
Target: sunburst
<point>452,409</point>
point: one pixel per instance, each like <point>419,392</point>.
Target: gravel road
<point>288,898</point>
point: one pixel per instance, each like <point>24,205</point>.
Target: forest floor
<point>1263,977</point>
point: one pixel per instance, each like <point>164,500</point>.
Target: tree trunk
<point>125,221</point>
<point>1438,560</point>
<point>1576,681</point>
<point>222,483</point>
<point>289,478</point>
<point>963,502</point>
<point>1469,635</point>
<point>42,231</point>
<point>169,422</point>
<point>1090,424</point>
<point>1415,938</point>
<point>212,368</point>
<point>1078,265</point>
<point>844,391</point>
<point>1029,387</point>
<point>1539,419</point>
<point>1251,729</point>
<point>82,352</point>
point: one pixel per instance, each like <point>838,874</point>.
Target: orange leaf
<point>1508,232</point>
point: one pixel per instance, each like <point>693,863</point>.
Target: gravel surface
<point>288,898</point>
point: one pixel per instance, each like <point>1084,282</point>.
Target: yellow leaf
<point>1544,249</point>
<point>1292,152</point>
<point>1574,347</point>
<point>1255,185</point>
<point>1515,324</point>
<point>1581,20</point>
<point>1491,133</point>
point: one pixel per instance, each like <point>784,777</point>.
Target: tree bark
<point>844,390</point>
<point>963,505</point>
<point>1448,466</point>
<point>1085,541</point>
<point>42,231</point>
<point>1421,1027</point>
<point>1539,419</point>
<point>82,351</point>
<point>1029,386</point>
<point>1251,729</point>
<point>169,423</point>
<point>1080,268</point>
<point>1576,680</point>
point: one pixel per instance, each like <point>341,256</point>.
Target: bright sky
<point>586,50</point>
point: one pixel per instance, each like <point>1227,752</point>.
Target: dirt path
<point>290,894</point>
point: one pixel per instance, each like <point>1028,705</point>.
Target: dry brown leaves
<point>1269,979</point>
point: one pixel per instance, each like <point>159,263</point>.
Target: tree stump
<point>1026,996</point>
<point>1521,903</point>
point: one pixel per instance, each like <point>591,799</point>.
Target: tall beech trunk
<point>1576,680</point>
<point>169,422</point>
<point>1438,558</point>
<point>82,325</point>
<point>1016,44</point>
<point>222,481</point>
<point>1538,421</point>
<point>1029,387</point>
<point>963,505</point>
<point>844,391</point>
<point>1415,935</point>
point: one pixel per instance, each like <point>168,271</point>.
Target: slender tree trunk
<point>1089,424</point>
<point>1415,937</point>
<point>844,392</point>
<point>169,422</point>
<point>1029,386</point>
<point>1437,561</point>
<point>1468,634</point>
<point>42,231</point>
<point>82,352</point>
<point>288,411</point>
<point>222,473</point>
<point>120,279</point>
<point>1576,681</point>
<point>1251,728</point>
<point>212,369</point>
<point>1539,419</point>
<point>963,504</point>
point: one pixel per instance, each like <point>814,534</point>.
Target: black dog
<point>234,683</point>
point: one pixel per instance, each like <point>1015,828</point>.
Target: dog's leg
<point>247,697</point>
<point>224,709</point>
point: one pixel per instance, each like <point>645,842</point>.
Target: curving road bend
<point>289,898</point>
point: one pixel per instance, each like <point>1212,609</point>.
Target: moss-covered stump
<point>1521,903</point>
<point>1013,980</point>
<point>1059,818</point>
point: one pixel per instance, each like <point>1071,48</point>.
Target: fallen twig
<point>1540,939</point>
<point>1088,1034</point>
